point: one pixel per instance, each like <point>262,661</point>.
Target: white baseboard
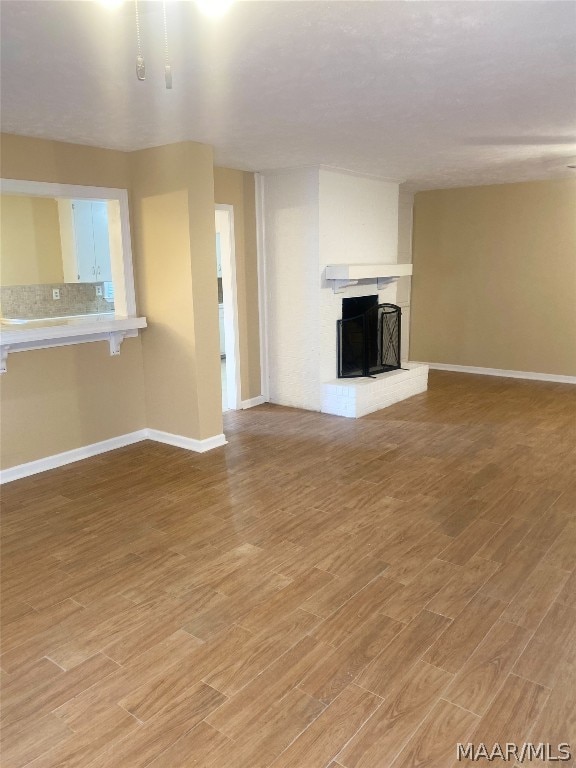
<point>252,402</point>
<point>559,378</point>
<point>87,451</point>
<point>189,443</point>
<point>69,457</point>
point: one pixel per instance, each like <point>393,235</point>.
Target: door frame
<point>231,323</point>
<point>262,289</point>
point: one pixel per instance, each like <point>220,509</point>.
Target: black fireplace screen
<point>368,342</point>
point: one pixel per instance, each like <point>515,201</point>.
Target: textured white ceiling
<point>435,93</point>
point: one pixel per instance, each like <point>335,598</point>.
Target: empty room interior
<point>288,383</point>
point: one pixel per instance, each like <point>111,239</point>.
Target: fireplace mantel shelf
<point>343,275</point>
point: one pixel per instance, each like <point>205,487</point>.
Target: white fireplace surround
<point>325,229</point>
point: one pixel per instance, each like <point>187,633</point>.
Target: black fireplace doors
<point>368,341</point>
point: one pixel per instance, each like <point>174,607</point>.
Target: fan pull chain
<point>167,66</point>
<point>140,63</point>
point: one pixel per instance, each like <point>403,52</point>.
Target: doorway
<point>227,308</point>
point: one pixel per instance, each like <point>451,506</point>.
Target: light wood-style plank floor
<point>320,592</point>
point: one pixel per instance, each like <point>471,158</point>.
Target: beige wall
<point>494,280</point>
<point>62,163</point>
<point>168,378</point>
<point>175,266</point>
<point>30,249</point>
<point>58,399</point>
<point>236,188</point>
<point>54,400</point>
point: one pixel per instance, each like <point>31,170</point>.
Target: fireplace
<point>368,337</point>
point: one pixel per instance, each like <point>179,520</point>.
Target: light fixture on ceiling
<point>214,8</point>
<point>140,62</point>
<point>167,65</point>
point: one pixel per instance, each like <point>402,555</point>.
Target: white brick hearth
<point>357,397</point>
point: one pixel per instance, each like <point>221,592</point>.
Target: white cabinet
<point>222,336</point>
<point>91,241</point>
<point>218,256</point>
<point>84,241</point>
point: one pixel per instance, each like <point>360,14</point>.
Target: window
<point>66,266</point>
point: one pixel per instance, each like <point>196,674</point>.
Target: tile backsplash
<point>32,302</point>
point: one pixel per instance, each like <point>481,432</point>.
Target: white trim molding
<point>252,402</point>
<point>262,287</point>
<point>230,304</point>
<point>189,443</point>
<point>69,457</point>
<point>558,378</point>
<point>87,451</point>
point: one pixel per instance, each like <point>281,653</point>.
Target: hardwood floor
<point>320,592</point>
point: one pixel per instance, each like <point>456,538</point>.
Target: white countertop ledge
<point>22,336</point>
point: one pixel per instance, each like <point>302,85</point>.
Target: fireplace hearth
<point>368,337</point>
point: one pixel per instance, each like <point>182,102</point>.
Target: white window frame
<point>75,192</point>
<point>126,323</point>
